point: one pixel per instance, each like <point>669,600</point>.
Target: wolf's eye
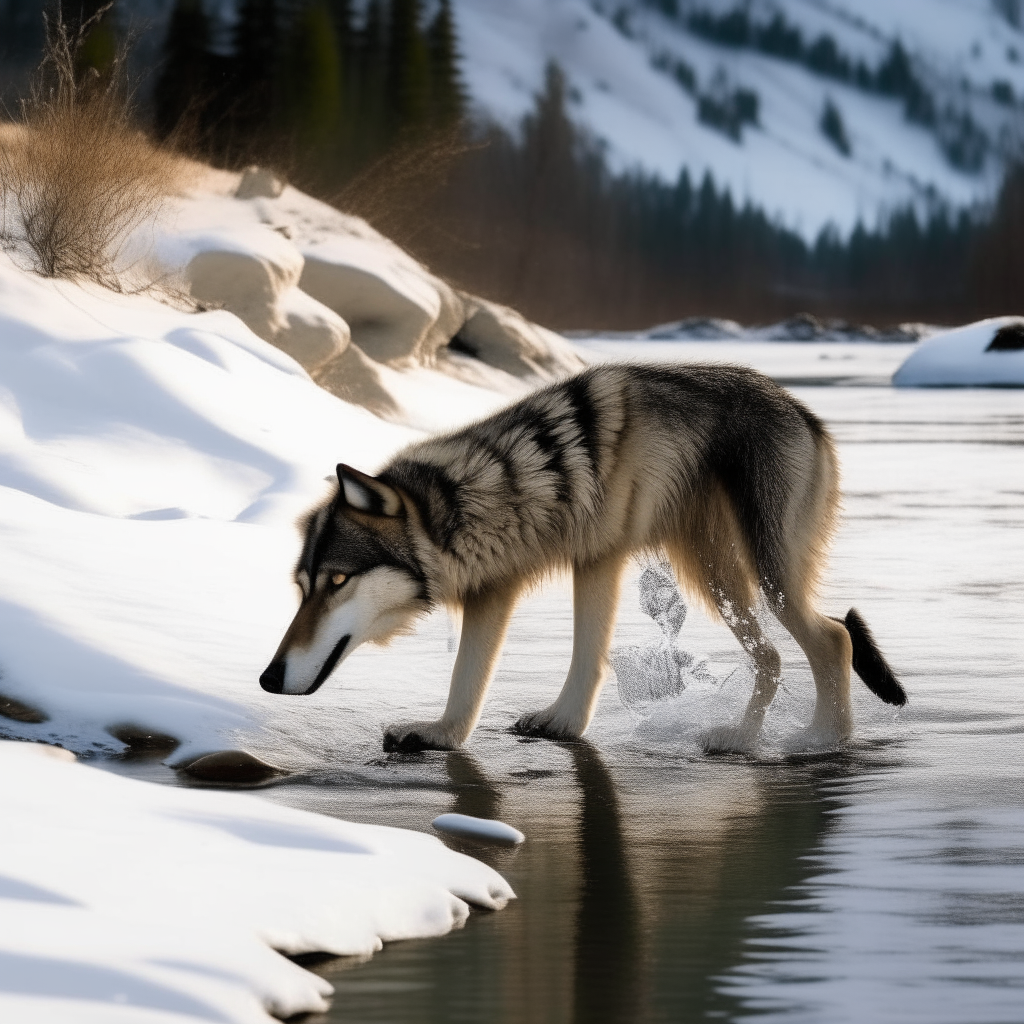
<point>338,578</point>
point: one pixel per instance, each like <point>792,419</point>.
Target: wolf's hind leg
<point>595,602</point>
<point>830,653</point>
<point>767,671</point>
<point>484,624</point>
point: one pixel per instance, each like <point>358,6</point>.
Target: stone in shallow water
<point>231,767</point>
<point>20,712</point>
<point>143,744</point>
<point>478,828</point>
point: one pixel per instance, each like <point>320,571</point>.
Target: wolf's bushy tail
<point>869,662</point>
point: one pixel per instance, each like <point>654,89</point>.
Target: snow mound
<point>124,901</point>
<point>478,828</point>
<point>989,353</point>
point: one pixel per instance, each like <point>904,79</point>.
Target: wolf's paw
<point>415,736</point>
<point>547,725</point>
<point>815,738</point>
<point>728,739</point>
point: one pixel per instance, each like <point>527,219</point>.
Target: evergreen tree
<point>367,122</point>
<point>96,28</point>
<point>21,29</point>
<point>183,86</point>
<point>448,100</point>
<point>256,52</point>
<point>408,69</point>
<point>313,81</point>
<point>341,17</point>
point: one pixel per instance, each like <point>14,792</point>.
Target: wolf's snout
<point>273,679</point>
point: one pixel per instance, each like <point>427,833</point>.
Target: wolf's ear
<point>368,494</point>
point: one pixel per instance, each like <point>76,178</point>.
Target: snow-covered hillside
<point>804,107</point>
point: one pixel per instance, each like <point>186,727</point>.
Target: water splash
<point>649,673</point>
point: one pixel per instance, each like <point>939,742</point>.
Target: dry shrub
<point>77,175</point>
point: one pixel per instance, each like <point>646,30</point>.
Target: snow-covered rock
<point>506,340</point>
<point>314,281</point>
<point>398,312</point>
<point>124,901</point>
<point>989,353</point>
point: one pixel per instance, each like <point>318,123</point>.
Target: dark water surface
<point>880,883</point>
<point>884,882</point>
<point>638,887</point>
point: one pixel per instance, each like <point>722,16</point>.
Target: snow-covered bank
<point>127,901</point>
<point>151,465</point>
<point>986,354</point>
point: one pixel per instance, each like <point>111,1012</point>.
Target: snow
<point>159,459</point>
<point>960,358</point>
<point>478,828</point>
<point>153,462</point>
<point>645,119</point>
<point>792,362</point>
<point>127,901</point>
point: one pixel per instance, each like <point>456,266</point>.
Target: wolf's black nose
<point>273,679</point>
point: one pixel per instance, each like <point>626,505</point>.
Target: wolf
<point>715,467</point>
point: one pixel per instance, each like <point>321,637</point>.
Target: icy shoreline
<point>126,901</point>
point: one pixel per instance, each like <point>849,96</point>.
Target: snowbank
<point>152,464</point>
<point>989,353</point>
<point>127,901</point>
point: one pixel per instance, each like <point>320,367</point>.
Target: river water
<point>883,882</point>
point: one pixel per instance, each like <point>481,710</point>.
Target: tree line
<point>365,108</point>
<point>307,83</point>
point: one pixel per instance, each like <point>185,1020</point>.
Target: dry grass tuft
<point>77,175</point>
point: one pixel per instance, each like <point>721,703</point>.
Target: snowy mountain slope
<point>651,79</point>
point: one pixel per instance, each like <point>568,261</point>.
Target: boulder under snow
<point>337,296</point>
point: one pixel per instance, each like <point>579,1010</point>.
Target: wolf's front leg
<point>484,624</point>
<point>595,602</point>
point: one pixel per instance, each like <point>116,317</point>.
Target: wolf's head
<point>360,580</point>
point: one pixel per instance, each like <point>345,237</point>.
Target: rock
<point>21,712</point>
<point>259,183</point>
<point>249,279</point>
<point>313,334</point>
<point>143,744</point>
<point>230,767</point>
<point>258,283</point>
<point>505,339</point>
<point>397,310</point>
<point>353,377</point>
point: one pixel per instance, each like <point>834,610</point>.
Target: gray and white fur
<point>719,468</point>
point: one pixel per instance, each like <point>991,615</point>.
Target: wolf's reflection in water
<point>639,884</point>
<point>608,957</point>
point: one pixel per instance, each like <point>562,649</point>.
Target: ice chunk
<point>478,828</point>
